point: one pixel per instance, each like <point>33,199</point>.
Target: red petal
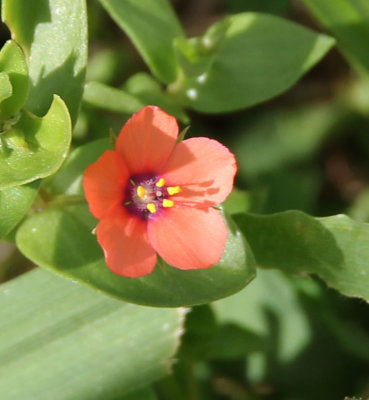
<point>147,140</point>
<point>124,240</point>
<point>104,182</point>
<point>189,238</point>
<point>203,168</point>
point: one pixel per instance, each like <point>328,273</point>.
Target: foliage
<point>284,86</point>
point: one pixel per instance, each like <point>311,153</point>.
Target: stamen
<point>167,203</point>
<point>173,190</point>
<point>160,183</point>
<point>141,191</point>
<point>133,183</point>
<point>151,208</point>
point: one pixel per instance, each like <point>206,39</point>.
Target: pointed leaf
<point>348,20</point>
<point>245,59</point>
<point>152,26</point>
<point>60,340</point>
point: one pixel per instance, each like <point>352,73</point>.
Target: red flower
<point>154,195</point>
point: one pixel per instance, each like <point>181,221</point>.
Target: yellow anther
<point>168,203</point>
<point>173,190</point>
<point>160,183</point>
<point>141,192</point>
<point>151,208</point>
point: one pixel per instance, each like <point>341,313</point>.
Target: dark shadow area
<point>322,369</point>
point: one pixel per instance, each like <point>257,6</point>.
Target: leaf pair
<point>240,61</point>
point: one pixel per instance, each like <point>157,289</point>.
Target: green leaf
<point>200,329</point>
<point>6,89</point>
<point>111,99</point>
<point>35,147</point>
<point>359,209</point>
<point>105,64</point>
<point>60,340</point>
<point>152,26</point>
<point>279,7</point>
<point>268,309</point>
<point>14,204</point>
<point>53,33</point>
<point>245,59</point>
<point>68,180</point>
<point>142,90</point>
<point>348,20</point>
<point>14,80</point>
<point>61,240</point>
<point>149,91</point>
<point>142,394</point>
<point>238,201</point>
<point>335,248</point>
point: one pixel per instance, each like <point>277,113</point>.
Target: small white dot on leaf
<point>191,93</point>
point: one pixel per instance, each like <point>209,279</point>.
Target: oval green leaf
<point>35,147</point>
<point>14,92</point>
<point>53,34</point>
<point>61,240</point>
<point>245,59</point>
<point>335,248</point>
<point>63,341</point>
<point>108,98</point>
<point>152,26</point>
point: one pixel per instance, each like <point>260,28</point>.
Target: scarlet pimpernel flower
<point>153,196</point>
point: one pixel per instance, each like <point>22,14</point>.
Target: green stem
<point>67,200</point>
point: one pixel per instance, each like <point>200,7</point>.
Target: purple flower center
<point>147,194</point>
